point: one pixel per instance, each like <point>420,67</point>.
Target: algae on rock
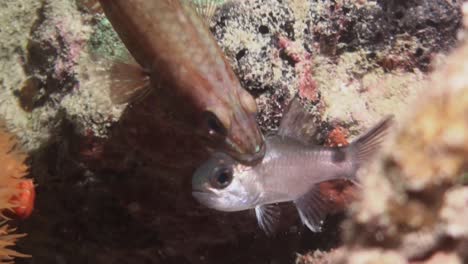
<point>414,203</point>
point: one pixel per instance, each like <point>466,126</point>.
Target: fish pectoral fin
<point>267,217</point>
<point>313,207</point>
<point>125,78</point>
<point>129,82</point>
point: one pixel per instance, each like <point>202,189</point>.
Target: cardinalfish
<point>178,58</point>
<point>291,171</point>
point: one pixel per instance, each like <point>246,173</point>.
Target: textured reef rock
<point>414,205</point>
<point>354,61</point>
<point>44,41</point>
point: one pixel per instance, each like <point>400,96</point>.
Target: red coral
<point>24,200</point>
<point>337,137</point>
<point>307,85</point>
<point>303,66</point>
<point>341,192</point>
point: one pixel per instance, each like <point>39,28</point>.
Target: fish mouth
<point>198,194</point>
<point>205,198</point>
<point>202,191</point>
<point>250,158</point>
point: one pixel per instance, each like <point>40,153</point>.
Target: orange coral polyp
<point>24,201</point>
<point>16,193</point>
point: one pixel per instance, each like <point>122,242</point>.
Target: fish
<point>207,8</point>
<point>291,171</point>
<point>175,55</point>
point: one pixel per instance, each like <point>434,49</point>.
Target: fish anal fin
<point>267,217</point>
<point>297,123</point>
<point>313,208</point>
<point>128,82</point>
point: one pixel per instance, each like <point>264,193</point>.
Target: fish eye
<point>222,178</point>
<point>215,127</point>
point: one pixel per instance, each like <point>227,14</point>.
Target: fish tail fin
<point>366,146</point>
<point>314,205</point>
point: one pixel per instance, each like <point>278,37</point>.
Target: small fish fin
<point>267,217</point>
<point>206,8</point>
<point>129,82</point>
<point>297,123</point>
<point>365,147</point>
<point>313,207</point>
<point>125,78</point>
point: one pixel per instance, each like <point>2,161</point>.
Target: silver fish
<point>290,172</point>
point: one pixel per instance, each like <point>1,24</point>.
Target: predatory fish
<point>179,59</point>
<point>290,172</point>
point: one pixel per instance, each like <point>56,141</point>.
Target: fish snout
<point>209,199</point>
<point>248,152</point>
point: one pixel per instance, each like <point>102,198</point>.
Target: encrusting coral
<point>16,194</point>
<point>414,205</point>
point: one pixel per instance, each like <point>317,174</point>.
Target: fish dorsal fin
<point>267,217</point>
<point>206,8</point>
<point>297,123</point>
<point>313,207</point>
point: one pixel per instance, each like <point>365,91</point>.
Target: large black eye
<point>221,178</point>
<point>214,125</point>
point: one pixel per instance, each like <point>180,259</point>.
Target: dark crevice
<point>285,57</point>
<point>240,54</point>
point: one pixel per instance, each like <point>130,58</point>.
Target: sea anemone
<point>16,194</point>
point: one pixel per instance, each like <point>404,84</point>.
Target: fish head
<point>228,123</point>
<point>182,61</point>
<point>223,184</point>
<point>229,116</point>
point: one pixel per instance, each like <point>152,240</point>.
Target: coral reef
<point>15,194</point>
<point>356,60</point>
<point>414,200</point>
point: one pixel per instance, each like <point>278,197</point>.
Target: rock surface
<point>414,199</point>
